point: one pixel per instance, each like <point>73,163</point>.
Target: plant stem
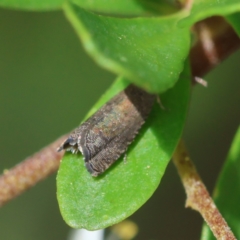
<point>213,41</point>
<point>26,174</point>
<point>198,197</point>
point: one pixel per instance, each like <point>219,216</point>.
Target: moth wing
<point>107,134</point>
<point>110,151</point>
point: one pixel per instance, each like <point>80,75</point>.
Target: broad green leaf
<point>206,8</point>
<point>94,203</point>
<point>39,5</point>
<point>227,191</point>
<point>148,51</point>
<point>126,7</point>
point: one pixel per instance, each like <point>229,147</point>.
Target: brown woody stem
<point>26,174</point>
<point>213,41</point>
<point>198,197</point>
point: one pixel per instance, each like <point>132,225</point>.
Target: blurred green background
<point>47,85</point>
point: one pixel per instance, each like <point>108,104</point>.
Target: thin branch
<point>198,197</point>
<point>26,174</point>
<point>214,40</point>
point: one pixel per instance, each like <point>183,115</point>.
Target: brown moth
<point>107,133</point>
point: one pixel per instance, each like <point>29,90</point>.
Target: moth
<point>105,136</point>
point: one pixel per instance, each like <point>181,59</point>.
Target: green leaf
<point>227,191</point>
<point>112,6</point>
<point>126,7</point>
<point>39,5</point>
<point>148,51</point>
<point>95,203</point>
<point>206,8</point>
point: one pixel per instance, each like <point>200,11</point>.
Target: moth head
<point>69,145</point>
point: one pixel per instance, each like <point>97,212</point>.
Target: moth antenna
<point>59,149</point>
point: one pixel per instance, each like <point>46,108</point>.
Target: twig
<point>214,40</point>
<point>26,174</point>
<point>198,197</point>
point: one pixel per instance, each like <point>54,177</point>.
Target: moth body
<point>105,136</point>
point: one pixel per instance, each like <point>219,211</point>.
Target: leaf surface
<point>150,52</point>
